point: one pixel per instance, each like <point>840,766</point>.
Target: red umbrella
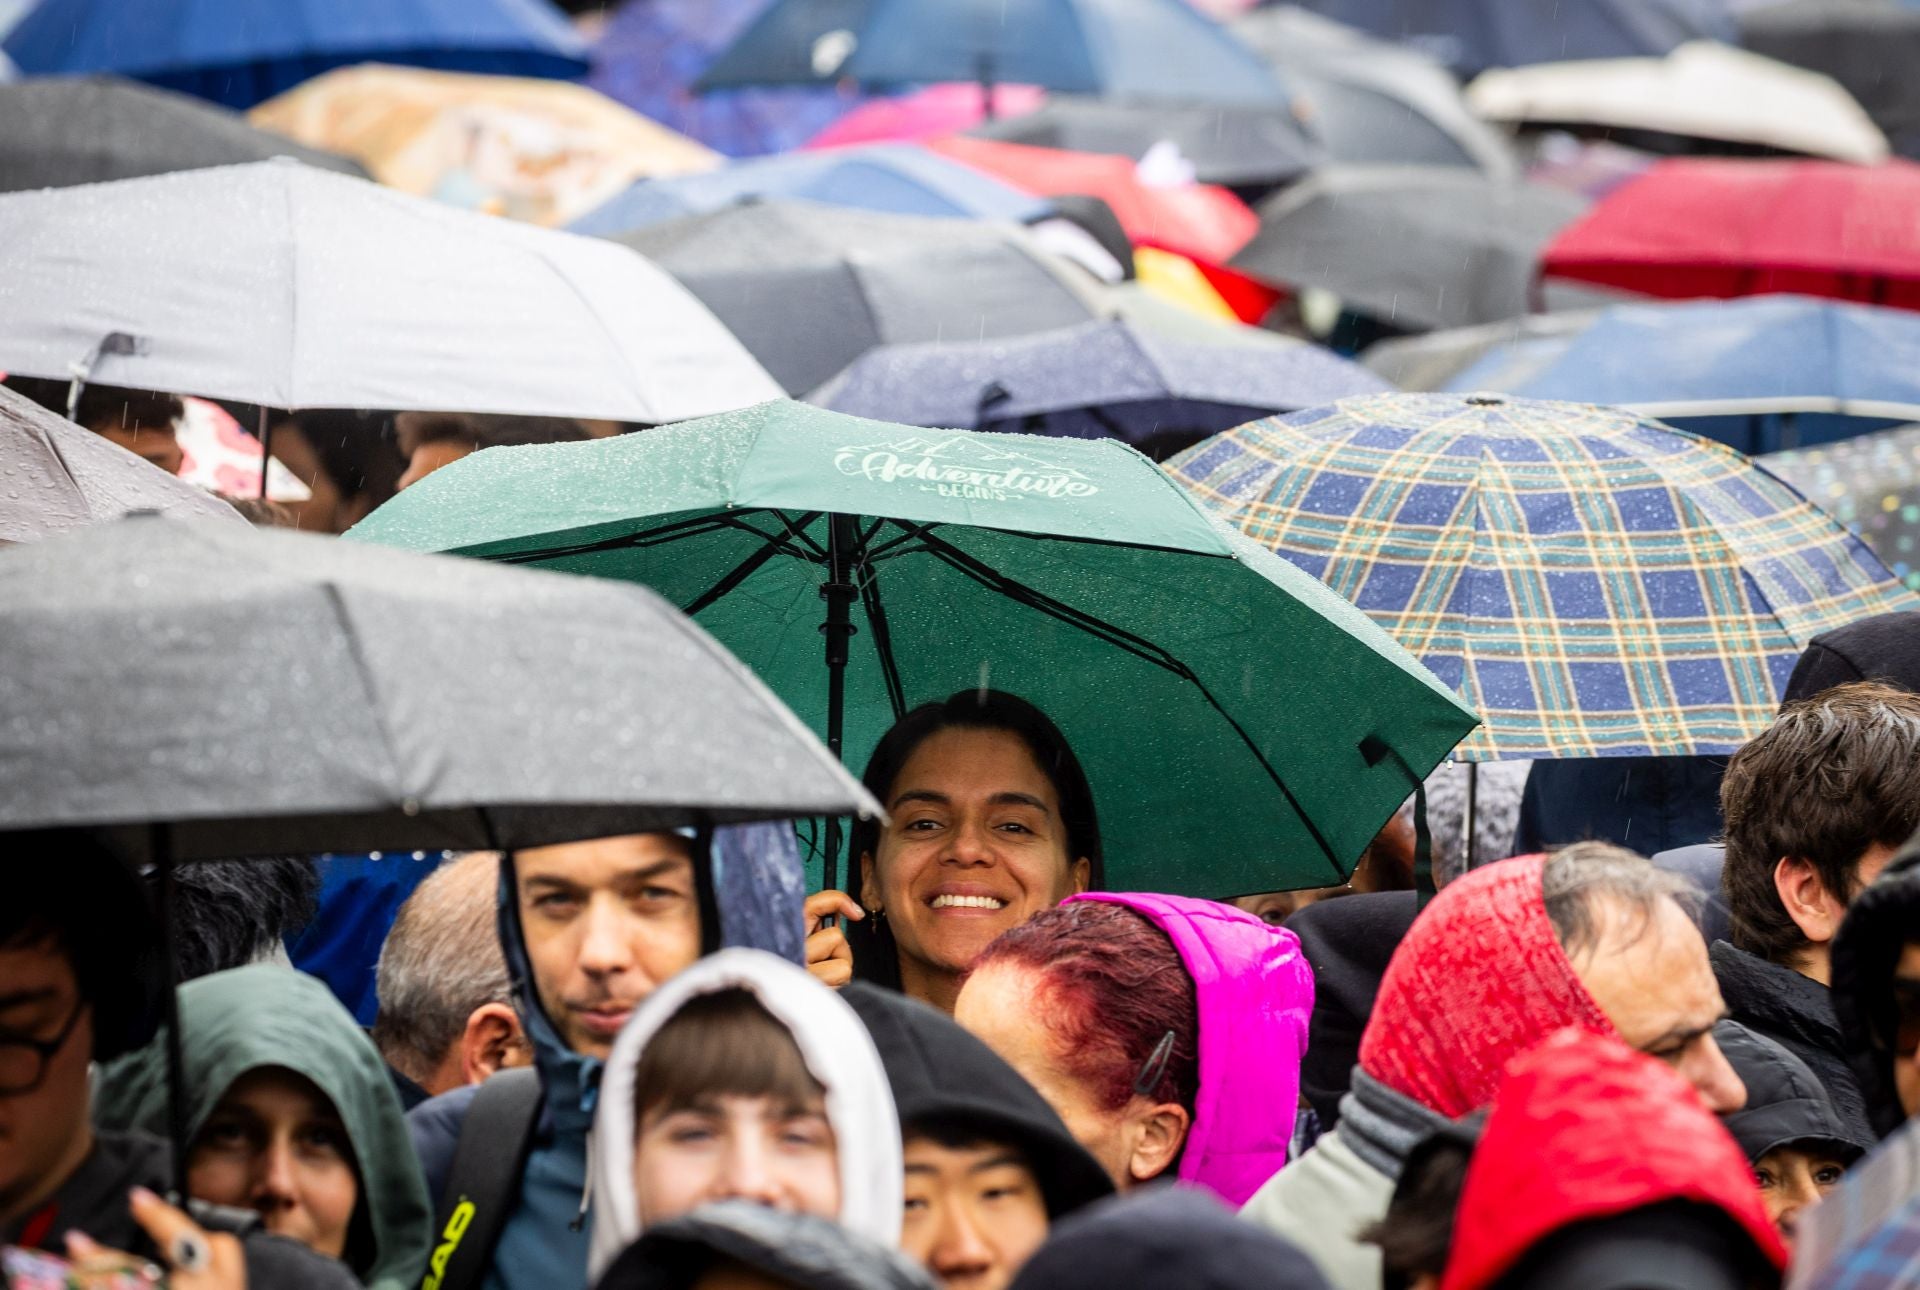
<point>1721,227</point>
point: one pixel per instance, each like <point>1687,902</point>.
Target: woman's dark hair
<point>875,956</point>
<point>1416,1233</point>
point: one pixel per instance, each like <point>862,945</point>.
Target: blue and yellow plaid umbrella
<point>1591,582</point>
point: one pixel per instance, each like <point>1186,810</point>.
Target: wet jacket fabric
<point>1480,977</point>
<point>838,1053</point>
<point>1166,1235</point>
<point>1583,1127</point>
<point>1348,943</point>
<point>1322,1201</point>
<point>1253,992</point>
<point>1648,804</point>
<point>1785,1104</point>
<point>246,1019</point>
<point>942,1075</point>
<point>795,1250</point>
<point>94,1200</point>
<point>1795,1012</point>
<point>1882,921</point>
<point>751,885</point>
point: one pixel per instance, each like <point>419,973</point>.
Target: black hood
<point>1885,648</point>
<point>1676,1245</point>
<point>1881,922</point>
<point>793,1249</point>
<point>946,1081</point>
<point>1166,1235</point>
<point>1348,943</point>
<point>1795,1012</point>
<point>1785,1103</point>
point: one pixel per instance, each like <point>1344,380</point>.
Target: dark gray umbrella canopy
<point>1247,146</point>
<point>1872,47</point>
<point>1105,378</point>
<point>59,131</point>
<point>809,288</point>
<point>267,691</point>
<point>1415,246</point>
<point>56,476</point>
<point>1369,101</point>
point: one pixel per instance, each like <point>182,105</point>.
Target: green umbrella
<point>1244,728</point>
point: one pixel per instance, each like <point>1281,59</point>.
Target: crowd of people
<point>980,1068</point>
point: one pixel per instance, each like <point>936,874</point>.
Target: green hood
<point>239,1021</point>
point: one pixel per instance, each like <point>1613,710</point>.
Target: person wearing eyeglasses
<point>1876,989</point>
<point>1166,1032</point>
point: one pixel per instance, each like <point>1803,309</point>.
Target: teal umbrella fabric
<point>1244,729</point>
<point>1592,582</point>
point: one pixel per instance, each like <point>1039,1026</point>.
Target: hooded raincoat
<point>1786,1106</point>
<point>1883,920</point>
<point>1254,994</point>
<point>1585,1128</point>
<point>751,887</point>
<point>838,1053</point>
<point>1479,977</point>
<point>249,1018</point>
<point>1164,1236</point>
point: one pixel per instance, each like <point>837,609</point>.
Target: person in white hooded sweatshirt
<point>700,1101</point>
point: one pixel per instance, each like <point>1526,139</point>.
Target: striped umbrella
<point>1593,583</point>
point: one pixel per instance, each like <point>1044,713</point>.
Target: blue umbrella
<point>650,54</point>
<point>1101,379</point>
<point>898,179</point>
<point>1473,35</point>
<point>1747,372</point>
<point>1152,49</point>
<point>240,52</point>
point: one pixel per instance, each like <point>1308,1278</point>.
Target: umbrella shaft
<point>839,592</point>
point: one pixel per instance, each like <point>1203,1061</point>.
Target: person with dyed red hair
<point>1167,1032</point>
<point>1594,937</point>
<point>1600,1168</point>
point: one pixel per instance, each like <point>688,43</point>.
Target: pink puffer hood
<point>1255,994</point>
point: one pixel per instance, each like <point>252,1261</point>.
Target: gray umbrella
<point>264,692</point>
<point>809,288</point>
<point>57,476</point>
<point>1430,360</point>
<point>1370,101</point>
<point>1102,379</point>
<point>59,131</point>
<point>1415,246</point>
<point>1239,146</point>
<point>1872,47</point>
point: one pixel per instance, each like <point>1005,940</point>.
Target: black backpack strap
<point>484,1180</point>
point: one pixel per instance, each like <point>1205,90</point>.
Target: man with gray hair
<point>446,1015</point>
<point>1592,937</point>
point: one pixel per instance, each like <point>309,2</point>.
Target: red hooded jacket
<point>1584,1127</point>
<point>1480,977</point>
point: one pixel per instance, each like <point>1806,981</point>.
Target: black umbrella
<point>219,691</point>
<point>1414,246</point>
<point>55,476</point>
<point>1872,47</point>
<point>809,288</point>
<point>1247,147</point>
<point>59,131</point>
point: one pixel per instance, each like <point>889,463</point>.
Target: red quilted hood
<point>1584,1127</point>
<point>1479,977</point>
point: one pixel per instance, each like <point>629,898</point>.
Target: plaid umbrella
<point>1593,583</point>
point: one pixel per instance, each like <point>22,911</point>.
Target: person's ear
<point>1080,876</point>
<point>1158,1133</point>
<point>1814,909</point>
<point>870,898</point>
<point>491,1040</point>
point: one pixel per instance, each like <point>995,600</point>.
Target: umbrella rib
<point>1020,593</point>
<point>674,532</point>
<point>869,580</point>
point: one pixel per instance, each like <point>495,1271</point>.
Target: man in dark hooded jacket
<point>979,1143</point>
<point>589,930</point>
<point>81,978</point>
<point>1876,989</point>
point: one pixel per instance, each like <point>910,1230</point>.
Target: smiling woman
<point>991,820</point>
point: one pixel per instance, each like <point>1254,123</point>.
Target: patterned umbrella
<point>1593,583</point>
<point>1871,484</point>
